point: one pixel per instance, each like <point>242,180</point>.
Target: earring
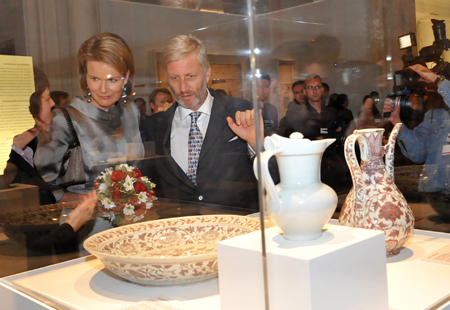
<point>124,94</point>
<point>88,95</point>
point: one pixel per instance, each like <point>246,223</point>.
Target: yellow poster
<point>16,87</point>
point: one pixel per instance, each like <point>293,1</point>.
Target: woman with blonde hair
<point>104,122</point>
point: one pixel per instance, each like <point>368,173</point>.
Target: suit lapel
<point>164,129</point>
<point>217,123</point>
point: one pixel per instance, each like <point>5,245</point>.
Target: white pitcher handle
<point>268,183</point>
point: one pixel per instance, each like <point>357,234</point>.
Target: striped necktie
<point>194,147</point>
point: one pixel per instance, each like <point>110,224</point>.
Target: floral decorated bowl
<point>170,251</point>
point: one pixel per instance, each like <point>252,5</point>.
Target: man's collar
<point>305,103</point>
<point>310,107</point>
<point>204,108</point>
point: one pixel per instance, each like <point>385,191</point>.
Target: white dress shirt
<point>181,124</point>
<point>26,154</point>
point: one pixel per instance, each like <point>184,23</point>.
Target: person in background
<point>268,111</point>
<point>64,239</point>
<point>332,100</point>
<point>160,100</point>
<point>375,97</point>
<point>315,121</point>
<point>368,116</point>
<point>61,98</point>
<point>142,106</point>
<point>298,88</point>
<point>428,143</point>
<point>294,107</point>
<point>20,167</point>
<point>221,91</point>
<point>325,94</point>
<point>341,106</point>
<point>107,125</point>
<point>318,122</point>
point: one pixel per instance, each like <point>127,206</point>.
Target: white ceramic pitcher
<point>300,205</point>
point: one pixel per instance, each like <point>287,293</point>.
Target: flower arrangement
<point>123,191</point>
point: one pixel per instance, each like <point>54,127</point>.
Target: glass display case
<point>323,68</point>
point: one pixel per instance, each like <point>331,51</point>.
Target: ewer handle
<point>359,218</point>
<point>389,150</point>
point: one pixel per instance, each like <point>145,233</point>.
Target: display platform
<point>84,283</point>
<point>343,269</point>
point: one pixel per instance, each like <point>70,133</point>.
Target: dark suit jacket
<point>24,173</point>
<point>270,118</point>
<point>225,170</point>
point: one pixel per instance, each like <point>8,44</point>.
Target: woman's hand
<point>24,138</point>
<point>83,212</point>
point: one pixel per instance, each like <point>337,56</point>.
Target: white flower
<point>109,215</point>
<point>129,168</point>
<point>149,205</point>
<point>128,183</point>
<point>128,209</point>
<point>108,203</point>
<point>104,174</point>
<point>102,188</point>
<point>142,197</point>
<point>144,179</point>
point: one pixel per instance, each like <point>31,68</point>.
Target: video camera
<point>408,91</point>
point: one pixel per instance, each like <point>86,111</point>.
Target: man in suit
<point>268,111</point>
<point>203,154</point>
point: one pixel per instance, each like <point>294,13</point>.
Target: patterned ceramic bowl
<point>168,252</point>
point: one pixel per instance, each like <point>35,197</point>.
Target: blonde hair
<point>181,47</point>
<point>110,49</point>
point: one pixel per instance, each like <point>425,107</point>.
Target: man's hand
<point>426,75</point>
<point>166,106</point>
<point>244,126</point>
<point>83,212</point>
<point>388,107</point>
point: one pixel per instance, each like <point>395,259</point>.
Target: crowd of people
<point>204,140</point>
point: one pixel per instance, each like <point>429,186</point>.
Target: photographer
<point>429,142</point>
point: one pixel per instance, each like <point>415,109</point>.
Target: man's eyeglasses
<point>263,86</point>
<point>317,87</point>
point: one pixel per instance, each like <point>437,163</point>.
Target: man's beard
<point>198,100</point>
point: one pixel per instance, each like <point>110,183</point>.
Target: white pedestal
<point>344,269</point>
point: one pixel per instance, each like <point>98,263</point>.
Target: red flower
<point>390,212</point>
<point>139,187</point>
<point>118,175</point>
<point>117,195</point>
<point>137,173</point>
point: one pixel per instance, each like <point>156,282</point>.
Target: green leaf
<point>108,179</point>
<point>118,220</point>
